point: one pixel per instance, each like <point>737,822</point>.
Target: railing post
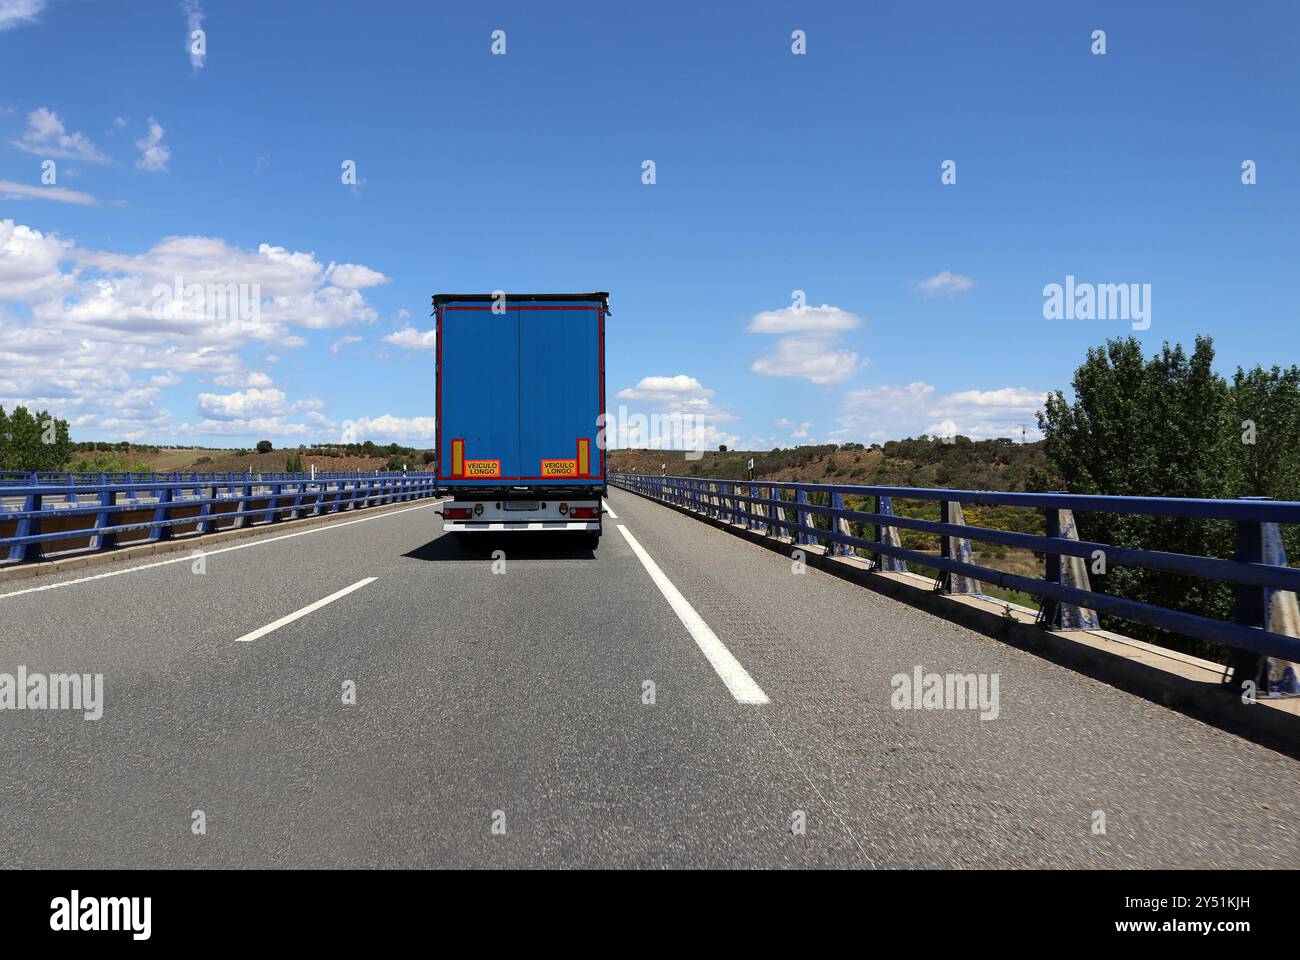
<point>760,509</point>
<point>738,490</point>
<point>778,514</point>
<point>245,495</point>
<point>1250,606</point>
<point>888,535</point>
<point>1068,572</point>
<point>205,509</point>
<point>106,517</point>
<point>840,525</point>
<point>1281,615</point>
<point>161,514</point>
<point>272,501</point>
<point>955,548</point>
<point>29,526</point>
<point>805,519</point>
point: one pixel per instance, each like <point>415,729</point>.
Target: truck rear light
<point>584,513</point>
<point>455,513</point>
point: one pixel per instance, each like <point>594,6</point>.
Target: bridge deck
<point>522,692</point>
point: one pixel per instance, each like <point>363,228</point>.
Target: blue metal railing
<point>785,510</point>
<point>10,478</point>
<point>40,503</point>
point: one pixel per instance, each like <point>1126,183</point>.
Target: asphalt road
<point>500,718</point>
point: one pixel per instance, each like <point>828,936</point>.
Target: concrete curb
<point>103,557</point>
<point>1176,680</point>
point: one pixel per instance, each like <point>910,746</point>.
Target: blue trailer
<point>521,398</point>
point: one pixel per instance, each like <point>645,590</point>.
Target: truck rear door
<point>480,390</point>
<point>559,390</point>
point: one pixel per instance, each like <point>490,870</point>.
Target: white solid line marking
<point>298,614</point>
<point>738,681</point>
<point>189,557</point>
<point>609,510</point>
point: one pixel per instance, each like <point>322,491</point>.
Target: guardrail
<point>49,514</point>
<point>10,478</point>
<point>762,507</point>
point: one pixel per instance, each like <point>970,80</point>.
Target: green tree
<point>264,446</point>
<point>30,441</point>
<point>1266,439</point>
<point>1158,427</point>
<point>1266,414</point>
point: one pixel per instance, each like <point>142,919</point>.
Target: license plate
<point>521,505</point>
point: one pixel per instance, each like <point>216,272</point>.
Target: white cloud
<point>672,413</point>
<point>352,276</point>
<point>944,284</point>
<point>817,353</point>
<point>45,136</point>
<point>80,333</point>
<point>243,405</point>
<point>266,427</point>
<point>411,339</point>
<point>800,431</point>
<point>658,433</point>
<point>890,412</point>
<point>390,429</point>
<point>823,319</point>
<point>243,379</point>
<point>1012,400</point>
<point>819,358</point>
<point>193,21</point>
<point>30,263</point>
<point>677,389</point>
<point>21,191</point>
<point>342,342</point>
<point>154,154</point>
<point>17,13</point>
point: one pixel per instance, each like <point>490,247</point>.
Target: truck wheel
<point>590,541</point>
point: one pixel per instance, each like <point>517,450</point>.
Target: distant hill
<point>922,462</point>
<point>146,459</point>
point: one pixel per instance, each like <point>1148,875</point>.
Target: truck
<point>520,412</point>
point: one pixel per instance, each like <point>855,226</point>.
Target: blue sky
<point>774,172</point>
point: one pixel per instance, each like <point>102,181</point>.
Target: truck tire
<point>589,541</point>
